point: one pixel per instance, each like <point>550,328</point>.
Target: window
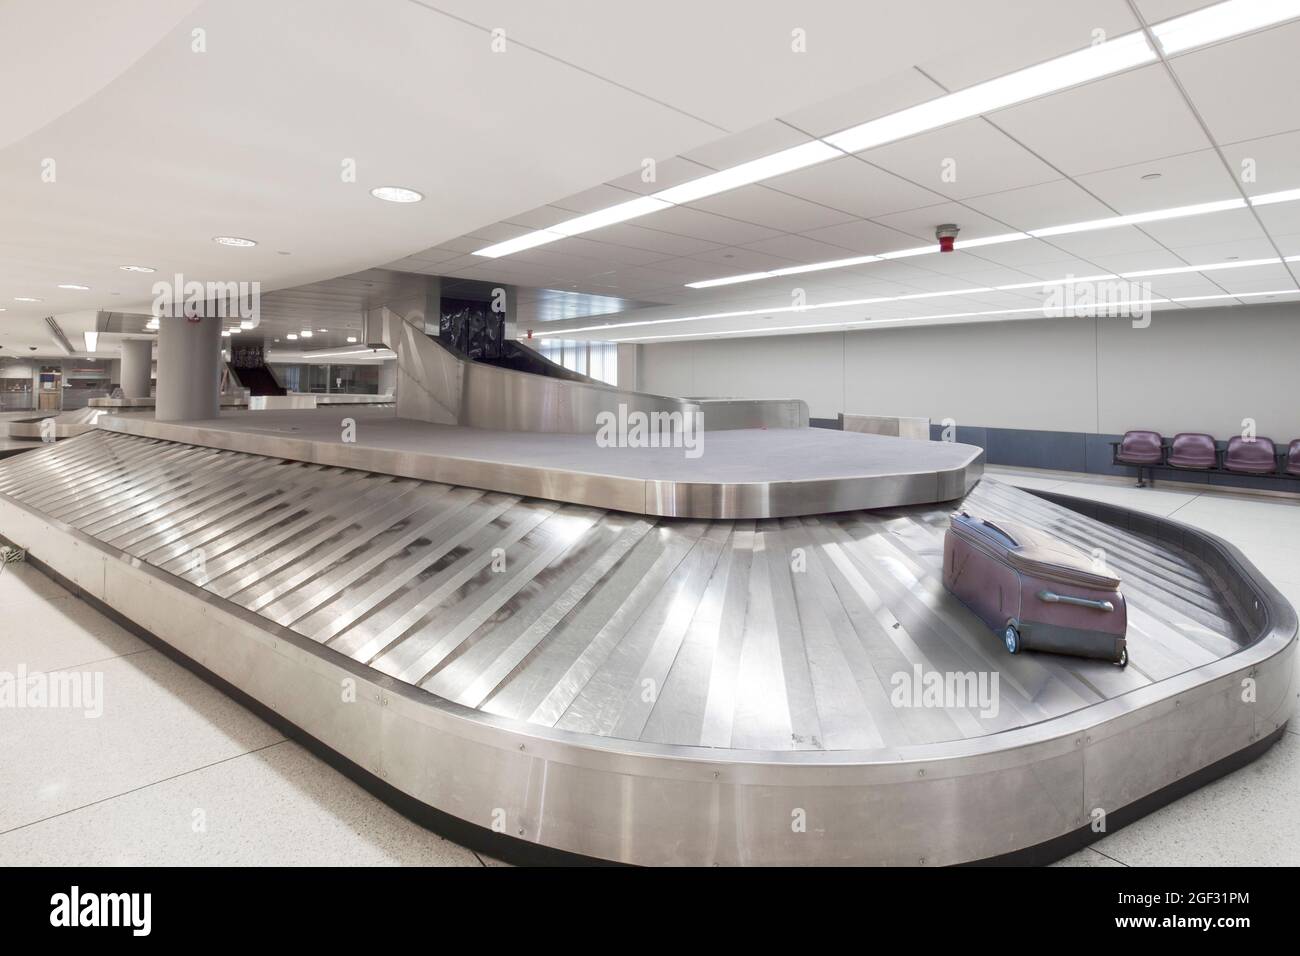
<point>597,359</point>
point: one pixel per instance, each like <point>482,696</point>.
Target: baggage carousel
<point>719,682</point>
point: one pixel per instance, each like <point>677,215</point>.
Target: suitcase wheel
<point>1011,637</point>
<point>1122,660</point>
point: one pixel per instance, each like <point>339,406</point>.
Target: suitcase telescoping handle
<point>1051,597</point>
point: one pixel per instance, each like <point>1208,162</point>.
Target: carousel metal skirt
<point>660,690</point>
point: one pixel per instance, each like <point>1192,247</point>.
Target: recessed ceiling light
<point>351,339</point>
<point>246,324</point>
<point>291,337</point>
<point>137,268</point>
<point>1152,176</point>
<point>305,333</point>
<point>78,288</point>
<point>322,330</point>
<point>25,298</point>
<point>234,241</point>
<point>92,340</point>
<point>225,332</point>
<point>396,194</point>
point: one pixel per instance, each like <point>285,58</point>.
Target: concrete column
<point>388,378</point>
<point>189,369</point>
<point>137,367</point>
<point>629,366</point>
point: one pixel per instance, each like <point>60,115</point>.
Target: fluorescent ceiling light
<point>527,241</point>
<point>137,268</point>
<point>876,300</point>
<point>234,241</point>
<point>1155,215</point>
<point>1230,18</point>
<point>305,333</point>
<point>225,332</point>
<point>1221,21</point>
<point>756,170</point>
<point>74,287</point>
<point>292,337</point>
<point>396,194</point>
<point>246,323</point>
<point>608,217</point>
<point>1111,222</point>
<point>25,298</point>
<point>1091,63</point>
<point>351,339</point>
<point>92,340</point>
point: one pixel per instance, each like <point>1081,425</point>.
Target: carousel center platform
<point>540,674</point>
<point>739,473</point>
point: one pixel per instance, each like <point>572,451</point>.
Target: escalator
<point>258,379</point>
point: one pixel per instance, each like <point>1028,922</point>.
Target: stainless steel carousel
<point>631,655</point>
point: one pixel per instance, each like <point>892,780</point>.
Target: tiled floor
<point>174,772</point>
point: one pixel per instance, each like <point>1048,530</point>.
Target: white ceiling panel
<point>1087,245</point>
<point>1023,254</point>
<point>741,147</point>
<point>800,250</point>
<point>1235,225</point>
<point>1047,204</point>
<point>1269,164</point>
<point>863,238</point>
<point>1245,89</point>
<point>684,221</point>
<point>1154,11</point>
<point>1131,118</point>
<point>1183,181</point>
<point>1035,31</point>
<point>869,102</point>
<point>663,173</point>
<point>965,159</point>
<point>775,210</point>
<point>856,187</point>
<point>655,240</point>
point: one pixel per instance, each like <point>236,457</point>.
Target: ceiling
<point>157,147</point>
<point>1169,134</point>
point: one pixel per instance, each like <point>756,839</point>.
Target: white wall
<point>1191,370</point>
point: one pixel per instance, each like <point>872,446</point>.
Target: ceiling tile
<point>1131,118</point>
<point>685,221</point>
<point>666,173</point>
<point>1183,181</point>
<point>863,238</point>
<point>1245,88</point>
<point>965,159</point>
<point>1230,226</point>
<point>855,186</point>
<point>865,103</point>
<point>1035,207</point>
<point>1034,32</point>
<point>775,210</point>
<point>750,144</point>
<point>1269,164</point>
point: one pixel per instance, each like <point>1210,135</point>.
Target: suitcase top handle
<point>989,524</point>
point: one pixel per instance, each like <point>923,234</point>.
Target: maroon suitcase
<point>1037,591</point>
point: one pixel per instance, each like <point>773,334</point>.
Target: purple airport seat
<point>1257,457</point>
<point>1293,458</point>
<point>1193,450</point>
<point>1141,448</point>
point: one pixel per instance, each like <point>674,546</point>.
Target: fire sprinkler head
<point>947,235</point>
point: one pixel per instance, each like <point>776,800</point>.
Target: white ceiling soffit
<point>158,148</point>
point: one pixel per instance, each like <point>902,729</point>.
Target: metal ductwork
<point>56,333</point>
